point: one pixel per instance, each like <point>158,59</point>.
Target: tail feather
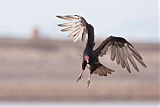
<point>103,71</point>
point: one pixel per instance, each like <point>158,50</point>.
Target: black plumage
<point>121,50</point>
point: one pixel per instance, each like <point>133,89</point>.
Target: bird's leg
<point>80,75</point>
<point>89,78</point>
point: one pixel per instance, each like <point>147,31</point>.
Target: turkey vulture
<point>121,50</point>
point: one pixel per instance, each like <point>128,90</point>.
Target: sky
<point>136,20</point>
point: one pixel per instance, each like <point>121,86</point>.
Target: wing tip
<point>58,16</point>
<point>60,25</point>
<point>144,65</point>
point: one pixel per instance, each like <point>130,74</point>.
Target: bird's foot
<point>88,83</point>
<point>80,76</point>
<point>89,78</point>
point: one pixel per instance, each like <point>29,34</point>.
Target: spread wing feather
<point>77,26</point>
<point>121,51</point>
<point>69,17</point>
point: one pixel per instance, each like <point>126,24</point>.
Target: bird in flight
<point>121,50</point>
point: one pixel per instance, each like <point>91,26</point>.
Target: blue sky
<point>136,20</point>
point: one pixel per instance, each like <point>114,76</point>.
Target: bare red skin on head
<point>86,58</point>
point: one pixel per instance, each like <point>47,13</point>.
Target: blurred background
<point>39,65</point>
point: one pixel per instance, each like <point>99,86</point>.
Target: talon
<point>80,76</point>
<point>77,80</point>
<point>89,78</point>
<point>88,83</point>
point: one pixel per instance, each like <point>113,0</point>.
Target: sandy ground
<point>46,70</point>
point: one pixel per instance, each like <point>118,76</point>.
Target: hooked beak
<point>86,59</point>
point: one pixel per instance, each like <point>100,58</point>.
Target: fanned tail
<point>103,71</point>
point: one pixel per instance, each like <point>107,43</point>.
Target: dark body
<point>88,51</point>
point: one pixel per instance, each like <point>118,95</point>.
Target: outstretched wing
<point>121,50</point>
<point>77,26</point>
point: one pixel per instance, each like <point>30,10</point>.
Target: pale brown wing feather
<point>122,58</point>
<point>68,24</point>
<point>118,56</point>
<point>134,51</point>
<point>69,17</point>
<point>125,59</point>
<point>138,59</point>
<point>75,38</point>
<point>113,52</point>
<point>129,56</point>
<point>71,35</point>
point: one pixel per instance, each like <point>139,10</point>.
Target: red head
<point>86,58</point>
